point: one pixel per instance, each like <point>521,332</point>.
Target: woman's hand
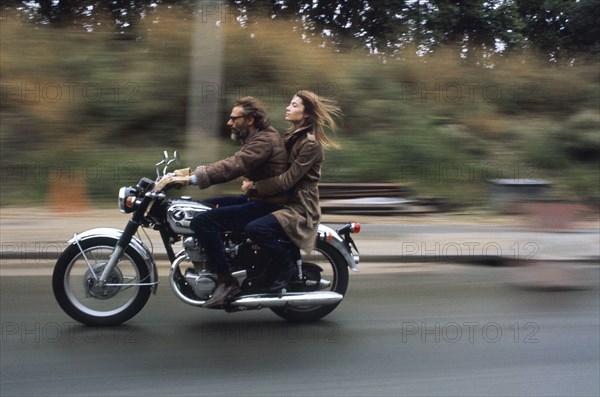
<point>247,186</point>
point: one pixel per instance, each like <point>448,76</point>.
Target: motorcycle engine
<point>203,284</point>
<point>200,279</point>
<point>198,283</point>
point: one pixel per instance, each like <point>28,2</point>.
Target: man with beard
<point>263,155</point>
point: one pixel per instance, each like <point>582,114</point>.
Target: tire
<point>99,306</point>
<point>335,270</point>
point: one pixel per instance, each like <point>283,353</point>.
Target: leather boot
<point>227,287</point>
<point>286,274</point>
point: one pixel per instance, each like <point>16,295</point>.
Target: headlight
<point>127,197</point>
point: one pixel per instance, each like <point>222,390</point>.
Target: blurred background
<point>484,112</point>
<point>440,97</point>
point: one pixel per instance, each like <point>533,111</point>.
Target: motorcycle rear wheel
<point>84,301</point>
<point>335,270</point>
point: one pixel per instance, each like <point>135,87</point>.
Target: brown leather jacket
<point>301,216</point>
<point>262,155</point>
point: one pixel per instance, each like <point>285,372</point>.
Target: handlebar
<point>176,159</point>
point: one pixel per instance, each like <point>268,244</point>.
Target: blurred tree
<point>585,29</point>
<point>546,24</point>
<point>356,23</point>
<point>90,15</point>
<point>559,28</point>
<point>480,28</point>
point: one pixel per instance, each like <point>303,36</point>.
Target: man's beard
<point>239,133</point>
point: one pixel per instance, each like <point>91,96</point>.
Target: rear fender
<point>331,237</point>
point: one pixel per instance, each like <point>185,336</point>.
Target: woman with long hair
<point>310,116</point>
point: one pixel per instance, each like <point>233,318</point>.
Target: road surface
<point>436,329</point>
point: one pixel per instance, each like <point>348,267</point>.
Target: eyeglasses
<point>234,118</point>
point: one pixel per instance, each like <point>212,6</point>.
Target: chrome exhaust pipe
<point>259,301</point>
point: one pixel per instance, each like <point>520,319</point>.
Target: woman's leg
<point>268,233</point>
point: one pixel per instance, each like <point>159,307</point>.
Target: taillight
<point>352,227</point>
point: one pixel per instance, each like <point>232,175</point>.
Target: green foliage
<point>480,30</point>
<point>561,28</point>
<point>436,123</point>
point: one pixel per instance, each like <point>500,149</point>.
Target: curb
<point>483,260</point>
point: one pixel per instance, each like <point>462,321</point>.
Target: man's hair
<point>255,108</point>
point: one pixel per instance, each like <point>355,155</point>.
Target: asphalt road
<point>434,330</point>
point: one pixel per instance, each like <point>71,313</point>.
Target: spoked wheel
<point>324,269</point>
<point>81,296</point>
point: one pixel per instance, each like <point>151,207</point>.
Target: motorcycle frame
<point>327,234</point>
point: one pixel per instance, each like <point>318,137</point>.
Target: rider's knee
<point>251,229</point>
<point>201,222</point>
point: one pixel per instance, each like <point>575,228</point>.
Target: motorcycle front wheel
<point>83,299</point>
<point>325,269</point>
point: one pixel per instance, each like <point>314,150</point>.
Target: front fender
<point>331,237</point>
<point>136,244</point>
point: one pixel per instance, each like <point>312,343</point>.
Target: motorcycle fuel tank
<point>181,212</point>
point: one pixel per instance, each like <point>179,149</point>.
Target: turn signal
<point>354,227</point>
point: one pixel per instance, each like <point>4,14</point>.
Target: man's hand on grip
<point>172,180</point>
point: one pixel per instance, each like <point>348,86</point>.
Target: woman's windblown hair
<point>323,114</point>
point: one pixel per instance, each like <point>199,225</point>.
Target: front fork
<point>130,230</point>
<point>122,243</point>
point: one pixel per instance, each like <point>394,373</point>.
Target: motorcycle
<point>105,276</point>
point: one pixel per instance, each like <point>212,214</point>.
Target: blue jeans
<point>232,214</point>
<point>268,233</point>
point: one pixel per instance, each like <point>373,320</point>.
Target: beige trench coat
<point>301,216</point>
